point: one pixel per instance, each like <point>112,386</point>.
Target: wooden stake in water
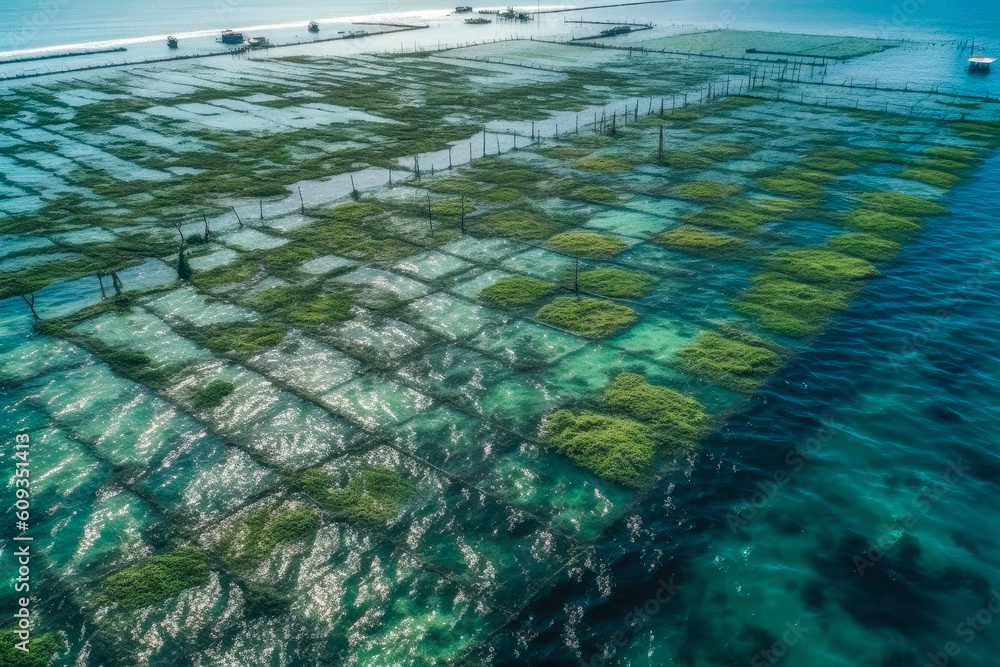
<point>463,214</point>
<point>205,218</point>
<point>302,201</point>
<point>262,210</point>
<point>430,220</point>
<point>237,217</point>
<point>660,152</point>
<point>30,300</point>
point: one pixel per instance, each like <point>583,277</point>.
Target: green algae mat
<point>352,422</point>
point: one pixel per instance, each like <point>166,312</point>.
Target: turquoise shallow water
<point>854,500</point>
<point>884,402</point>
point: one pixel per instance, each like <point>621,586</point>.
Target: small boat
<point>231,37</point>
<point>313,26</point>
<point>981,63</point>
<point>258,42</point>
<point>478,21</point>
<point>462,10</point>
<point>172,42</point>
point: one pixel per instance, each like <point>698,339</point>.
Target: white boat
<point>981,63</point>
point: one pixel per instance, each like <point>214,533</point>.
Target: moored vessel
<point>231,37</point>
<point>981,63</point>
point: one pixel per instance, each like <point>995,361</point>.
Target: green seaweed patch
<point>520,225</point>
<point>866,246</point>
<point>739,363</point>
<point>239,271</point>
<point>682,160</point>
<point>42,647</point>
<point>616,283</point>
<point>587,244</point>
<point>806,175</point>
<point>897,203</point>
<point>791,186</point>
<point>594,318</point>
<point>818,265</point>
<point>352,211</point>
<point>502,195</point>
<point>306,304</point>
<point>680,419</point>
<point>789,307</point>
<point>616,449</point>
<point>607,164</point>
<point>742,217</point>
<point>596,194</point>
<point>133,364</point>
<point>515,291</point>
<point>504,172</point>
<point>705,191</point>
<point>829,163</point>
<point>451,208</point>
<point>212,395</point>
<point>857,155</point>
<point>253,537</point>
<point>242,337</point>
<point>374,496</point>
<point>939,164</point>
<point>454,186</point>
<point>288,257</point>
<point>940,179</point>
<point>891,226</point>
<point>952,153</point>
<point>698,240</point>
<point>356,239</point>
<point>987,133</point>
<point>156,579</point>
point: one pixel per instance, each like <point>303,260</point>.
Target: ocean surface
<point>36,24</point>
<point>850,514</point>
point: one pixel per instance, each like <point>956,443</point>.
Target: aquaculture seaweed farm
<point>288,412</point>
